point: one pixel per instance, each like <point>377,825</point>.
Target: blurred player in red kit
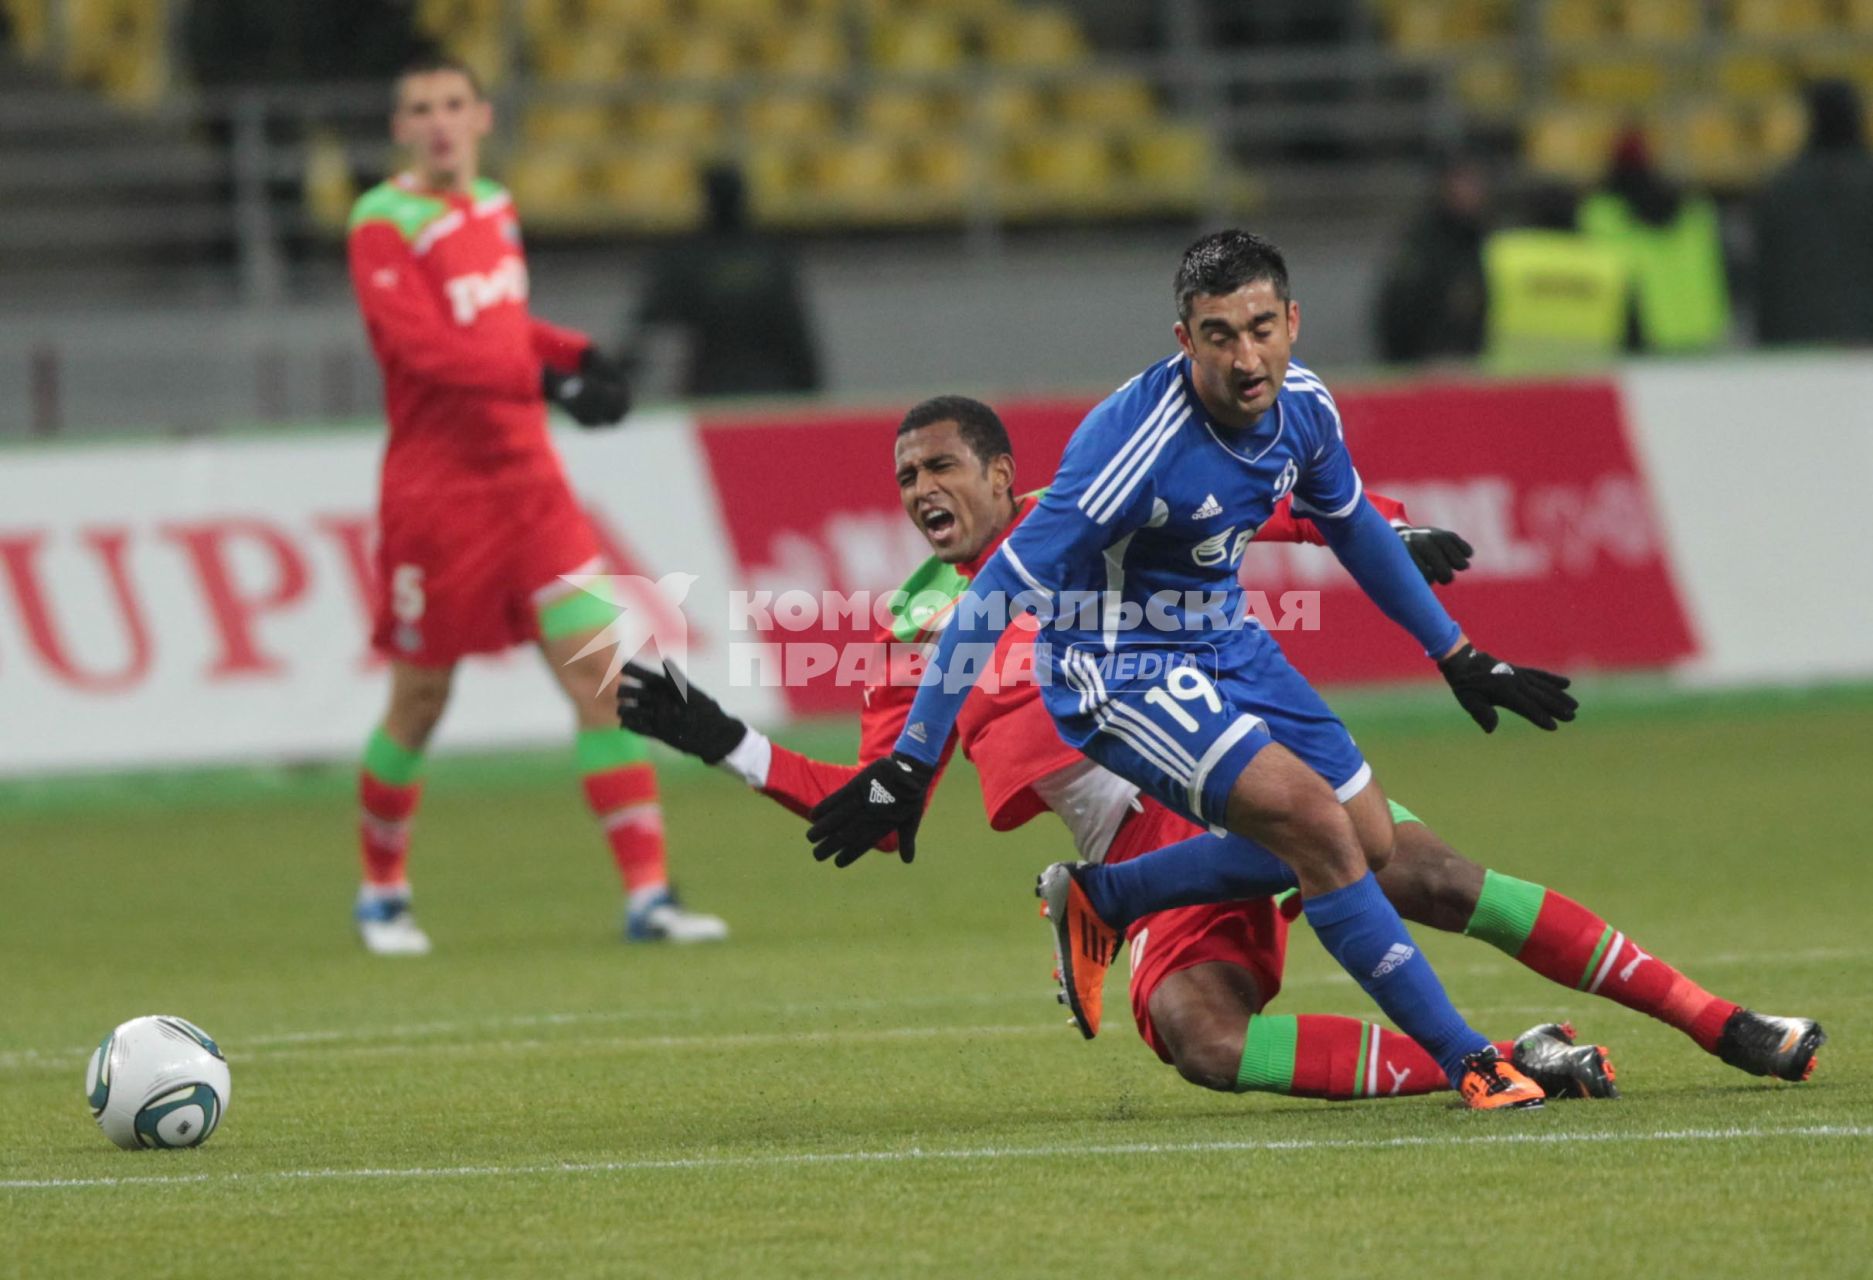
<point>482,544</point>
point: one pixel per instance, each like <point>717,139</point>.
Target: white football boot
<point>387,925</point>
<point>665,919</point>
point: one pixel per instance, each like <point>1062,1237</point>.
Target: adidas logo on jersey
<point>878,794</point>
<point>916,732</point>
<point>1397,955</point>
<point>1210,507</point>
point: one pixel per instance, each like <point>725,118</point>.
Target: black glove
<point>1439,554</point>
<point>1483,683</point>
<point>650,703</point>
<point>596,396</point>
<point>886,796</point>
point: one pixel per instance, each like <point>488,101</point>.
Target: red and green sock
<point>621,791</point>
<point>1570,945</point>
<point>1315,1055</point>
<point>389,786</point>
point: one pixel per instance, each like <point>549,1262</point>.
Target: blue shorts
<point>1185,734</point>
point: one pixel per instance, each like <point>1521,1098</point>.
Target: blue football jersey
<point>1154,504</point>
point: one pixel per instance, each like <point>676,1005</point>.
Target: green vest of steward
<point>1555,298</point>
<point>1676,270</point>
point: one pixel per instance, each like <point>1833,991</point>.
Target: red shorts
<point>465,572</point>
<point>1252,935</point>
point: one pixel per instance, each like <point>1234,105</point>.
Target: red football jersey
<point>442,282</point>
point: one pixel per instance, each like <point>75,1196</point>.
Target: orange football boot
<point>1084,944</point>
<point>1490,1084</point>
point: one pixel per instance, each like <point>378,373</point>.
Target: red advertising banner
<point>1570,569</point>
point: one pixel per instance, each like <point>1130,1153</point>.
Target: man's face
<point>441,121</point>
<point>957,503</point>
<point>1239,346</point>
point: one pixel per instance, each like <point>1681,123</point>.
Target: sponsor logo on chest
<point>470,295</point>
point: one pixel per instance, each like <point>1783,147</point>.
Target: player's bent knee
<point>1208,1058</point>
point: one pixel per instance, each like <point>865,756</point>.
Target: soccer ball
<point>157,1082</point>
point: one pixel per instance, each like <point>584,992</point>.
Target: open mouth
<point>1249,388</point>
<point>939,524</point>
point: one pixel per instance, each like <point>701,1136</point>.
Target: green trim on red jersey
<point>408,211</point>
<point>932,588</point>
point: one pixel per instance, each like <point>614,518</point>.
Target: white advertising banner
<point>203,601</point>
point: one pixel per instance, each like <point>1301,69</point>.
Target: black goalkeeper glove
<point>1439,554</point>
<point>886,796</point>
<point>596,396</point>
<point>1483,683</point>
<point>651,703</point>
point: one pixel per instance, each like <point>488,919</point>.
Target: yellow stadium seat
<point>1781,128</point>
<point>1705,142</point>
<point>1576,21</point>
<point>1042,36</point>
<point>862,177</point>
<point>1752,75</point>
<point>1173,164</point>
<point>1011,108</point>
<point>31,26</point>
<point>689,53</point>
<point>803,49</point>
<point>1838,64</point>
<point>694,120</point>
<point>905,112</point>
<point>778,188</point>
<point>1859,15</point>
<point>917,42</point>
<point>1778,19</point>
<point>1108,100</point>
<point>1629,82</point>
<point>1569,142</point>
<point>328,184</point>
<point>549,183</point>
<point>1062,172</point>
<point>449,19</point>
<point>1660,21</point>
<point>591,58</point>
<point>629,15</point>
<point>944,174</point>
<point>551,123</point>
<point>1489,86</point>
<point>788,113</point>
<point>652,188</point>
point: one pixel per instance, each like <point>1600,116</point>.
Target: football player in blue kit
<point>1152,667</point>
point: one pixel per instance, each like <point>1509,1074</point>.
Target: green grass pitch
<point>872,1080</point>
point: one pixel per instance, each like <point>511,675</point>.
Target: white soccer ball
<point>158,1081</point>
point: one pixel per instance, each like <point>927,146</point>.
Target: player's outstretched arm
<point>1377,559</point>
<point>651,703</point>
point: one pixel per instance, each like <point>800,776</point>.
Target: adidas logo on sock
<point>1210,507</point>
<point>878,795</point>
<point>1397,955</point>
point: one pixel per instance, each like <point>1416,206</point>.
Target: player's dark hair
<point>430,61</point>
<point>981,429</point>
<point>1224,261</point>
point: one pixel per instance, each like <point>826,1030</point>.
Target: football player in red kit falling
<point>478,528</point>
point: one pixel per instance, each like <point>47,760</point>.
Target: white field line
<point>957,1155</point>
<point>395,1034</point>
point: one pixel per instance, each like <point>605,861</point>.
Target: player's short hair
<point>430,61</point>
<point>1224,261</point>
<point>981,428</point>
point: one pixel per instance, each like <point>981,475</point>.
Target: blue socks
<point>1204,868</point>
<point>1359,928</point>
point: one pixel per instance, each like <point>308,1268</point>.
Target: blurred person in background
<point>1432,299</point>
<point>1556,298</point>
<point>481,543</point>
<point>1672,244</point>
<point>1814,231</point>
<point>724,309</point>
